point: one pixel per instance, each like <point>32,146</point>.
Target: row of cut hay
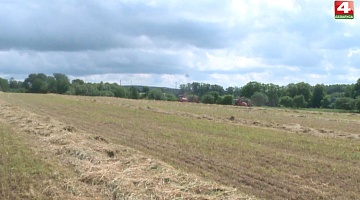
<point>110,171</point>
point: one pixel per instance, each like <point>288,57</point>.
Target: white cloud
<point>223,61</point>
<point>352,52</point>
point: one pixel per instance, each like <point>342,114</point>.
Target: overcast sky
<point>164,42</point>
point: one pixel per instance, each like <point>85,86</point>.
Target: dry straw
<point>109,171</point>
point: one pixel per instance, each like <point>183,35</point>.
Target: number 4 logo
<point>344,9</point>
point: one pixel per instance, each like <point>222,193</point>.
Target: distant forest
<point>296,95</point>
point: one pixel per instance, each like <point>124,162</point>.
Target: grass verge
<point>22,174</point>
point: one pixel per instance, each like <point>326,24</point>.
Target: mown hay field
<point>262,152</point>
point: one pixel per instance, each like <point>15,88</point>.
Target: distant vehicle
<point>182,98</point>
<point>242,102</point>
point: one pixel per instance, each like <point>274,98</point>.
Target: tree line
<point>61,84</point>
<point>296,95</point>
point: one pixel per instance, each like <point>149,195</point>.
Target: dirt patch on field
<point>106,170</point>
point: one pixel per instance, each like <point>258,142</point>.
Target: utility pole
<point>120,82</point>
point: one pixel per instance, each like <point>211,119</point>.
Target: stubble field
<point>140,149</point>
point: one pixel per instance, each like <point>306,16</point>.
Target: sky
<point>171,42</point>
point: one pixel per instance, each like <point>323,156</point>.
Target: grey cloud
<point>93,62</point>
<point>103,37</point>
<point>71,26</point>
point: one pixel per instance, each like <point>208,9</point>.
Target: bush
<point>326,102</point>
<point>120,92</point>
<point>357,104</point>
<point>193,98</point>
<point>345,103</point>
<point>134,93</point>
<point>208,98</point>
<point>106,93</point>
<point>259,99</point>
<point>286,101</point>
<point>171,97</point>
<point>228,100</point>
<point>219,100</point>
<point>156,94</point>
<point>215,94</point>
<point>299,101</point>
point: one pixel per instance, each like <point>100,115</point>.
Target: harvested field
<point>140,149</point>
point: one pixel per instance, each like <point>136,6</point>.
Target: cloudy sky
<point>164,42</point>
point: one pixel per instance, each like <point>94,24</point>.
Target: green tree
<point>357,104</point>
<point>134,93</point>
<point>208,99</point>
<point>228,100</point>
<point>250,88</point>
<point>299,101</point>
<point>36,83</point>
<point>4,85</point>
<point>291,90</point>
<point>286,101</point>
<point>120,92</point>
<point>171,97</point>
<point>326,101</point>
<point>195,87</point>
<point>51,83</point>
<point>107,93</point>
<point>339,88</point>
<point>145,90</point>
<point>230,90</point>
<point>13,84</point>
<point>318,95</point>
<point>39,86</point>
<point>237,92</point>
<point>219,100</point>
<point>273,92</point>
<point>156,94</point>
<point>215,94</point>
<point>100,86</point>
<point>305,90</point>
<point>356,88</point>
<point>62,83</point>
<point>184,88</point>
<point>259,99</point>
<point>217,88</point>
<point>77,81</point>
<point>204,88</point>
<point>345,103</point>
<point>193,98</point>
<point>92,90</point>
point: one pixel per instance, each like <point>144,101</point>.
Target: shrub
<point>156,94</point>
<point>299,101</point>
<point>120,92</point>
<point>326,102</point>
<point>259,99</point>
<point>228,100</point>
<point>286,101</point>
<point>219,100</point>
<point>357,104</point>
<point>134,93</point>
<point>171,97</point>
<point>193,98</point>
<point>344,103</point>
<point>208,98</point>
